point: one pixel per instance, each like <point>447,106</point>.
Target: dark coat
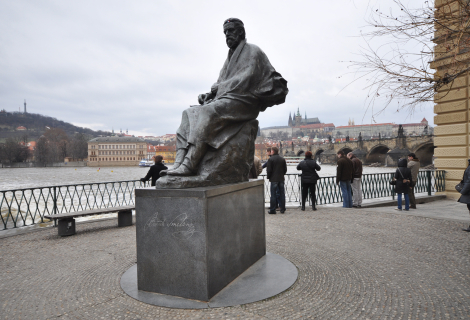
<point>401,187</point>
<point>276,168</point>
<point>344,170</point>
<point>309,169</point>
<point>465,197</point>
<point>154,172</point>
<point>357,167</point>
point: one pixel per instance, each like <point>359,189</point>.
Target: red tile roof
<point>165,148</point>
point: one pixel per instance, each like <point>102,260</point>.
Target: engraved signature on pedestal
<point>181,227</point>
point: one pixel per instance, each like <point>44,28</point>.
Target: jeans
<point>357,191</point>
<point>347,195</point>
<point>407,201</point>
<point>278,196</point>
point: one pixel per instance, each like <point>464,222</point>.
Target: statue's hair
<point>238,24</point>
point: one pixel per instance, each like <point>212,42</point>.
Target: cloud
<point>139,64</point>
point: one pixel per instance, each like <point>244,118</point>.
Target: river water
<point>20,178</point>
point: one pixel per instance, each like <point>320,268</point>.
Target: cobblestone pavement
<point>353,264</point>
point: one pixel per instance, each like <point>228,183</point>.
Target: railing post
<point>428,174</point>
<point>54,206</point>
<point>54,199</point>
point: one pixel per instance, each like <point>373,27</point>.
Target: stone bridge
<point>385,151</point>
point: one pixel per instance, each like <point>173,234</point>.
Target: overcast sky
<point>138,64</point>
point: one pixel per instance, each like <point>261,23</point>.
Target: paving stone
<point>353,264</point>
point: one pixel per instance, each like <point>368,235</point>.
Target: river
<point>21,178</point>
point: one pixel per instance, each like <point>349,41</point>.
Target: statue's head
<point>234,31</point>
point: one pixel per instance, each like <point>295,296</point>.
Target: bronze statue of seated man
<point>215,141</point>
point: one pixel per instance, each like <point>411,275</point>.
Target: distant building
<point>298,121</point>
<point>367,130</point>
<point>21,128</point>
<point>167,152</point>
<point>116,151</point>
<point>294,124</point>
<point>150,151</point>
<point>415,128</point>
<point>317,128</point>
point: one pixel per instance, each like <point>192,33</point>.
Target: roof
<point>410,124</point>
<point>165,148</point>
<point>317,125</point>
<point>117,139</point>
<point>277,127</point>
<point>367,125</point>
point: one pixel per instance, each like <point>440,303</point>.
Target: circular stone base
<point>269,276</point>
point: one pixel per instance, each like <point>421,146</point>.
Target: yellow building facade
<point>167,152</point>
<point>116,151</point>
<point>452,115</point>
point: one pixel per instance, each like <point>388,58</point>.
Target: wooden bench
<point>66,223</point>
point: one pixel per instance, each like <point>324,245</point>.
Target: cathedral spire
<point>290,120</point>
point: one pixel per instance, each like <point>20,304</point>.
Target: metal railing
<point>375,185</point>
<point>28,206</point>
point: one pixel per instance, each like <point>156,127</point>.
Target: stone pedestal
<point>193,242</point>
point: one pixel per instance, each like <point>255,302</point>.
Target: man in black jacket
<point>154,171</point>
<point>276,169</point>
<point>344,176</point>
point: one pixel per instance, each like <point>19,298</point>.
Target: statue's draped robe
<point>247,84</point>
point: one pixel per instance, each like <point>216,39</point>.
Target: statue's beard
<point>232,42</point>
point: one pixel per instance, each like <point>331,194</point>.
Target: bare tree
<point>41,153</point>
<point>80,146</point>
<point>12,151</point>
<point>402,69</point>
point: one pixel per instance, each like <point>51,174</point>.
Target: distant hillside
<point>36,125</point>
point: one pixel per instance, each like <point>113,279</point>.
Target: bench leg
<point>125,218</point>
<point>66,227</point>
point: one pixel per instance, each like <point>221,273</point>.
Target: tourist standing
<point>268,152</point>
<point>154,171</point>
<point>256,168</point>
<point>344,176</point>
<point>413,164</point>
<point>465,192</point>
<point>276,169</point>
<point>357,182</point>
<point>403,181</point>
<point>309,178</point>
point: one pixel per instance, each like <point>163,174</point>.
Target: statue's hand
<point>201,98</point>
<point>214,88</point>
<point>205,98</point>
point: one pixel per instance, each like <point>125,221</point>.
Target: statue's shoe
<point>182,170</point>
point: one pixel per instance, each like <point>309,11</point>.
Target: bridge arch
<point>378,153</point>
<point>317,155</point>
<point>424,152</point>
<point>346,150</point>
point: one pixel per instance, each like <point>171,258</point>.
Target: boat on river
<point>146,163</point>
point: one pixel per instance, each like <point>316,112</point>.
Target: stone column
<point>452,120</point>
